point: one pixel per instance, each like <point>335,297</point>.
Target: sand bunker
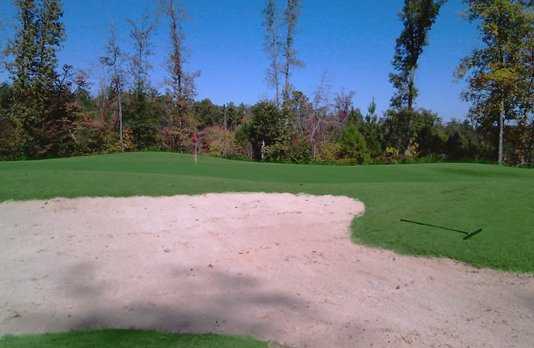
<point>276,266</point>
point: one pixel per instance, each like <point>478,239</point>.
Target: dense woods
<point>47,110</point>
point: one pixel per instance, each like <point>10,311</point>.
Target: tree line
<point>51,111</point>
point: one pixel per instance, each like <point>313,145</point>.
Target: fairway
<point>460,196</point>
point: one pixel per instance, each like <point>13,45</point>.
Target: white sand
<point>276,266</point>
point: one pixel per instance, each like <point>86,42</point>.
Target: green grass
<point>127,339</point>
<point>463,196</point>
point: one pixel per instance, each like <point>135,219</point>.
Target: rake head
<point>472,234</point>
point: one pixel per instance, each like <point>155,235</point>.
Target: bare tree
<point>113,61</point>
<point>291,16</point>
<point>176,57</point>
<point>321,107</point>
<point>343,103</point>
<point>140,32</point>
<point>272,47</point>
<point>3,46</point>
<point>181,83</point>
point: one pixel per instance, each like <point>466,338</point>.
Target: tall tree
<point>24,47</point>
<point>41,94</point>
<point>142,112</point>
<point>291,16</point>
<point>141,34</point>
<point>417,17</point>
<point>113,61</point>
<point>181,83</point>
<point>500,74</point>
<point>51,35</point>
<point>272,47</point>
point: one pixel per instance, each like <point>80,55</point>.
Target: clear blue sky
<point>352,41</point>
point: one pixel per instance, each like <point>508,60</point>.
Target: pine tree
<point>417,16</point>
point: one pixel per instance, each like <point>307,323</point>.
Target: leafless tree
<point>343,104</point>
<point>141,32</point>
<point>181,83</point>
<point>113,62</point>
<point>291,16</point>
<point>321,107</point>
<point>272,46</point>
<point>3,46</point>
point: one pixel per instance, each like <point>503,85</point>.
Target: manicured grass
<point>127,339</point>
<point>463,196</point>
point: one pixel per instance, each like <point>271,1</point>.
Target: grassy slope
<point>463,196</point>
<point>127,339</point>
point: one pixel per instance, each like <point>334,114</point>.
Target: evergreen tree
<point>417,17</point>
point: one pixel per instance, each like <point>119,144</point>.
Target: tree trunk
<point>501,134</point>
<point>411,88</point>
<point>286,82</point>
<point>119,99</point>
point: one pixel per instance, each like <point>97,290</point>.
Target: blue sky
<point>351,41</point>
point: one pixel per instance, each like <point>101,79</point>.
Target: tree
<point>343,105</point>
<point>11,136</point>
<point>42,97</point>
<point>22,66</point>
<point>143,114</point>
<point>371,129</point>
<point>181,83</point>
<point>272,47</point>
<point>113,61</point>
<point>51,35</point>
<point>353,145</point>
<point>320,111</point>
<point>141,34</point>
<point>417,17</point>
<point>2,46</point>
<point>265,128</point>
<point>500,74</point>
<point>23,49</point>
<point>291,16</point>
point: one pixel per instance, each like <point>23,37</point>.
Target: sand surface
<point>275,266</point>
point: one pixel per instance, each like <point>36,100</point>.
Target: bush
<point>353,145</point>
<point>298,150</point>
<point>391,155</point>
<point>96,136</point>
<point>219,142</point>
<point>329,152</point>
<point>11,139</point>
<point>266,128</point>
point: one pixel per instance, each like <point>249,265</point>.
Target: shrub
<point>329,152</point>
<point>97,136</point>
<point>219,142</point>
<point>353,145</point>
<point>11,139</point>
